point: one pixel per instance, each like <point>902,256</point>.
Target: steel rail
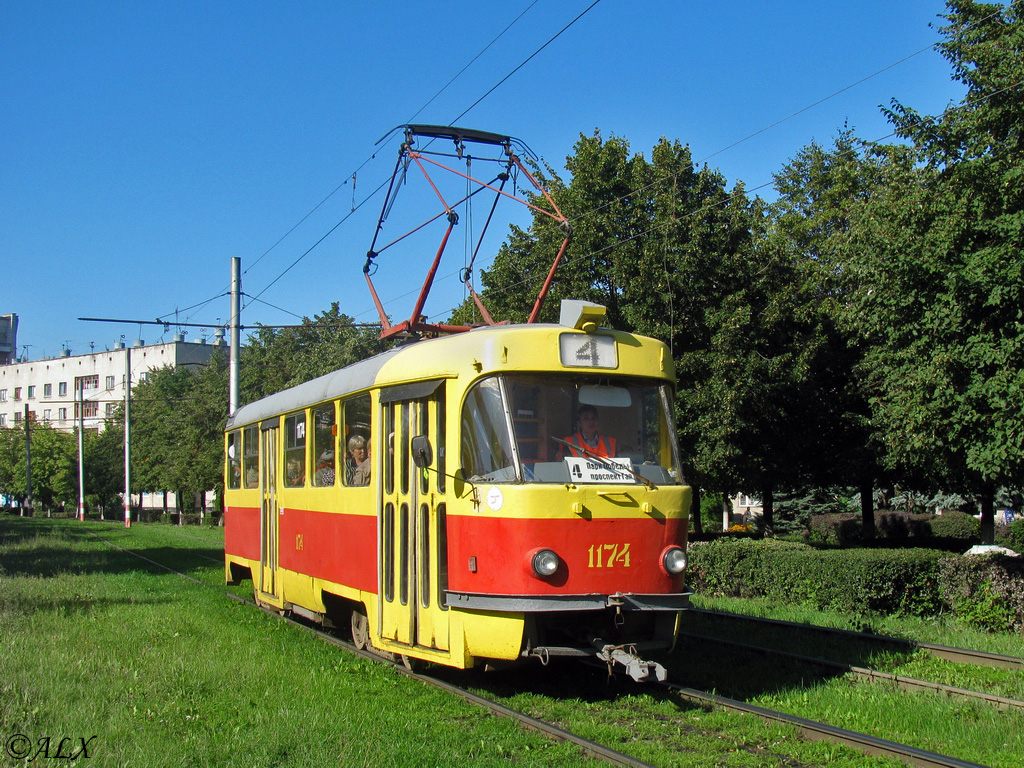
<point>815,731</point>
<point>958,655</point>
<point>592,748</point>
<point>808,728</point>
<point>589,747</point>
<point>874,675</point>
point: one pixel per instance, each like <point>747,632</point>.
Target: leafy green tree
<point>173,432</point>
<point>672,254</point>
<point>940,296</point>
<point>103,462</point>
<point>54,462</point>
<point>819,193</point>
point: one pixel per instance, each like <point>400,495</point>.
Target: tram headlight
<point>673,560</point>
<point>544,563</point>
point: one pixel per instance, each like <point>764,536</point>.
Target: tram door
<point>268,509</point>
<point>412,529</point>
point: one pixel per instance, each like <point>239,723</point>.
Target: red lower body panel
<point>598,556</point>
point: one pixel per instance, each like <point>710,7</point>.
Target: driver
<point>587,437</point>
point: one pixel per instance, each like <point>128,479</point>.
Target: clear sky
<point>143,144</point>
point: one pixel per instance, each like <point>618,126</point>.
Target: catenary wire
<point>352,176</point>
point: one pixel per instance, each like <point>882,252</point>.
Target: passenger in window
<point>361,474</point>
<point>356,457</point>
<point>295,473</point>
<point>325,469</point>
<point>587,441</point>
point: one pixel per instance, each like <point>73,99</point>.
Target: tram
<point>482,530</point>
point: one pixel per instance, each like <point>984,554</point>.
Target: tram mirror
<point>606,396</point>
<point>422,451</point>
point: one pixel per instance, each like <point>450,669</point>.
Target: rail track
<point>958,655</point>
<point>810,729</point>
<point>874,675</point>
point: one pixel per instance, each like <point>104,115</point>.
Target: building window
<point>62,389</point>
<point>110,410</point>
<point>17,393</point>
<point>46,414</point>
<point>62,414</point>
<point>3,395</point>
<point>110,382</point>
<point>31,391</point>
<point>90,410</point>
<point>3,419</point>
<point>17,417</point>
<point>87,382</point>
<point>144,376</point>
<point>47,390</point>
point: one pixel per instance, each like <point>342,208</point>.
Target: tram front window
<point>560,429</point>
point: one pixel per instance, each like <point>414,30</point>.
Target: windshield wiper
<point>603,461</point>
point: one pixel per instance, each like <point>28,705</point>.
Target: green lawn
<point>166,672</point>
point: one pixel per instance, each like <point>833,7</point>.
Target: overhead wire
<point>352,177</point>
<point>709,207</point>
<point>497,85</point>
<point>452,122</point>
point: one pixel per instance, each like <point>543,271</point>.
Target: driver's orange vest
<point>605,446</point>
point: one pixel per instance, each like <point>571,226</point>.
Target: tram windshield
<point>550,428</point>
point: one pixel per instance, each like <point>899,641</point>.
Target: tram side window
<point>324,430</point>
<point>355,440</point>
<point>234,459</point>
<point>251,456</point>
<point>295,450</point>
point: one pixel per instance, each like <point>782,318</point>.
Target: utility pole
<point>127,437</point>
<point>233,353</point>
<point>28,467</point>
<point>80,396</point>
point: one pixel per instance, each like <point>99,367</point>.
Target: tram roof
<point>362,375</point>
<point>343,381</point>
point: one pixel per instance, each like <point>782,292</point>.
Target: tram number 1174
<point>608,555</point>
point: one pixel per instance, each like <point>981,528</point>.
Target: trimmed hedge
<point>986,591</point>
<point>856,581</point>
<point>952,531</point>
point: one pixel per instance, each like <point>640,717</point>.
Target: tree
<point>941,293</point>
<point>819,193</point>
<point>671,253</point>
<point>54,462</point>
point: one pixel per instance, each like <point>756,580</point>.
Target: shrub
<point>956,525</point>
<point>834,530</point>
<point>985,590</point>
<point>856,581</point>
<point>1011,536</point>
<point>711,511</point>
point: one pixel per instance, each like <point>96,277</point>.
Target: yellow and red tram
<point>476,535</point>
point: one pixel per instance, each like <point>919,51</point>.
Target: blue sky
<point>142,145</point>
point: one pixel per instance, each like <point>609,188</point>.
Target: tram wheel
<point>360,628</point>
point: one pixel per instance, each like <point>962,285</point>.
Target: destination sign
<point>585,470</point>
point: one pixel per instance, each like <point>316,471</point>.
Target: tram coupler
<point>640,670</point>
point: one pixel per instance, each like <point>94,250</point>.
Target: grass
<point>165,672</point>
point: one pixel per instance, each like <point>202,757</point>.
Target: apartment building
<point>48,387</point>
